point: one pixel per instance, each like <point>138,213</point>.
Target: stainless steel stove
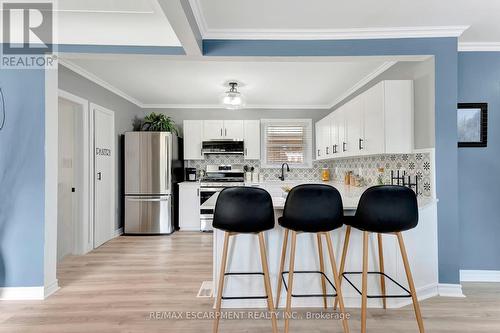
<point>217,178</point>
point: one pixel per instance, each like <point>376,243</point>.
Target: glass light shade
<point>232,100</point>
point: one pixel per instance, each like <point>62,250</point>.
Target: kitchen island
<point>421,244</point>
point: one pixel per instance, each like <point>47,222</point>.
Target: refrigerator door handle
<point>139,199</point>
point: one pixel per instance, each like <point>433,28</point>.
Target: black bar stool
<point>318,209</point>
<point>244,210</point>
<point>384,209</point>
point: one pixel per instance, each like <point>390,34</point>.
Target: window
<point>286,141</point>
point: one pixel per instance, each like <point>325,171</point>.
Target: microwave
<point>223,147</point>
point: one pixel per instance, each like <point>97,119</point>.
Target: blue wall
<point>478,168</point>
<point>445,52</point>
<point>22,179</point>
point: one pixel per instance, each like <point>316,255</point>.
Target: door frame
<point>92,107</point>
<point>84,235</point>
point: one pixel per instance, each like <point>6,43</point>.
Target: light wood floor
<point>114,289</point>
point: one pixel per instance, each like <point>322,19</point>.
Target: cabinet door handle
<point>198,191</point>
<point>221,132</point>
<point>334,148</point>
<point>318,152</point>
<point>360,144</point>
<point>344,146</point>
<point>327,148</point>
<point>225,132</point>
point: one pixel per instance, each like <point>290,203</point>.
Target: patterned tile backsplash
<point>415,165</point>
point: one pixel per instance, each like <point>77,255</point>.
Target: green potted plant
<point>158,122</point>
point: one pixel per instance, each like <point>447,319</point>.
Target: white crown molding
<point>479,47</point>
<point>336,34</point>
<point>379,70</point>
<point>479,276</point>
<point>219,106</point>
<point>79,70</point>
<point>22,293</point>
<point>322,34</point>
<point>450,290</point>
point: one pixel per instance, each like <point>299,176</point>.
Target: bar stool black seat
<point>311,208</point>
<point>384,209</point>
<point>244,210</point>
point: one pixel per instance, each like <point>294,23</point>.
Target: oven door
<point>207,215</point>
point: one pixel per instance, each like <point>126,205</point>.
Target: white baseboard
<point>51,288</point>
<point>21,293</point>
<point>450,290</point>
<point>118,232</point>
<point>479,276</point>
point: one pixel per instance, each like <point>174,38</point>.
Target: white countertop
<point>350,194</point>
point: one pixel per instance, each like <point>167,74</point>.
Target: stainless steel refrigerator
<point>152,168</point>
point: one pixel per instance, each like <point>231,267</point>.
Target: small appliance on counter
<point>191,175</point>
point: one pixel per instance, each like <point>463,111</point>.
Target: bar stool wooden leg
<point>409,277</point>
<point>282,267</point>
<point>322,269</point>
<point>364,288</point>
<point>381,263</point>
<point>288,311</point>
<point>336,280</point>
<point>267,282</point>
<point>220,289</point>
<point>342,260</point>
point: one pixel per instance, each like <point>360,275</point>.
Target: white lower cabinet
<point>378,121</point>
<point>189,206</point>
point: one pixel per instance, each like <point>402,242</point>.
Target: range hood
<point>223,147</point>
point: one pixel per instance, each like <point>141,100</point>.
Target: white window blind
<point>286,141</point>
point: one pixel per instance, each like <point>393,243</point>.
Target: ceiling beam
<point>181,18</point>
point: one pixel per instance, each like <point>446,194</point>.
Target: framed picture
<point>472,122</point>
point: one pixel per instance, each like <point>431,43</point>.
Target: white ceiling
<point>112,22</point>
<point>327,18</point>
<point>184,83</point>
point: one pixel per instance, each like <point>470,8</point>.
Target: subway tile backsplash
<point>415,165</point>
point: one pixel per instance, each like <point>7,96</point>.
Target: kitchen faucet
<point>282,177</point>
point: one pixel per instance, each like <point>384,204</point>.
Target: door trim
<point>85,220</point>
<point>93,107</point>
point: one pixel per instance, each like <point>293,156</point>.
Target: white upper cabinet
<point>213,129</point>
<point>354,125</point>
<point>223,130</point>
<point>197,131</point>
<point>323,145</point>
<point>374,124</point>
<point>379,121</point>
<point>252,139</point>
<point>193,136</point>
<point>234,129</point>
<point>398,116</point>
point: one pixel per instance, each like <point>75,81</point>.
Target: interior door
<point>104,174</point>
<point>234,129</point>
<point>66,180</point>
<point>213,129</point>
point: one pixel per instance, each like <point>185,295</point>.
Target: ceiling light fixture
<point>233,99</point>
